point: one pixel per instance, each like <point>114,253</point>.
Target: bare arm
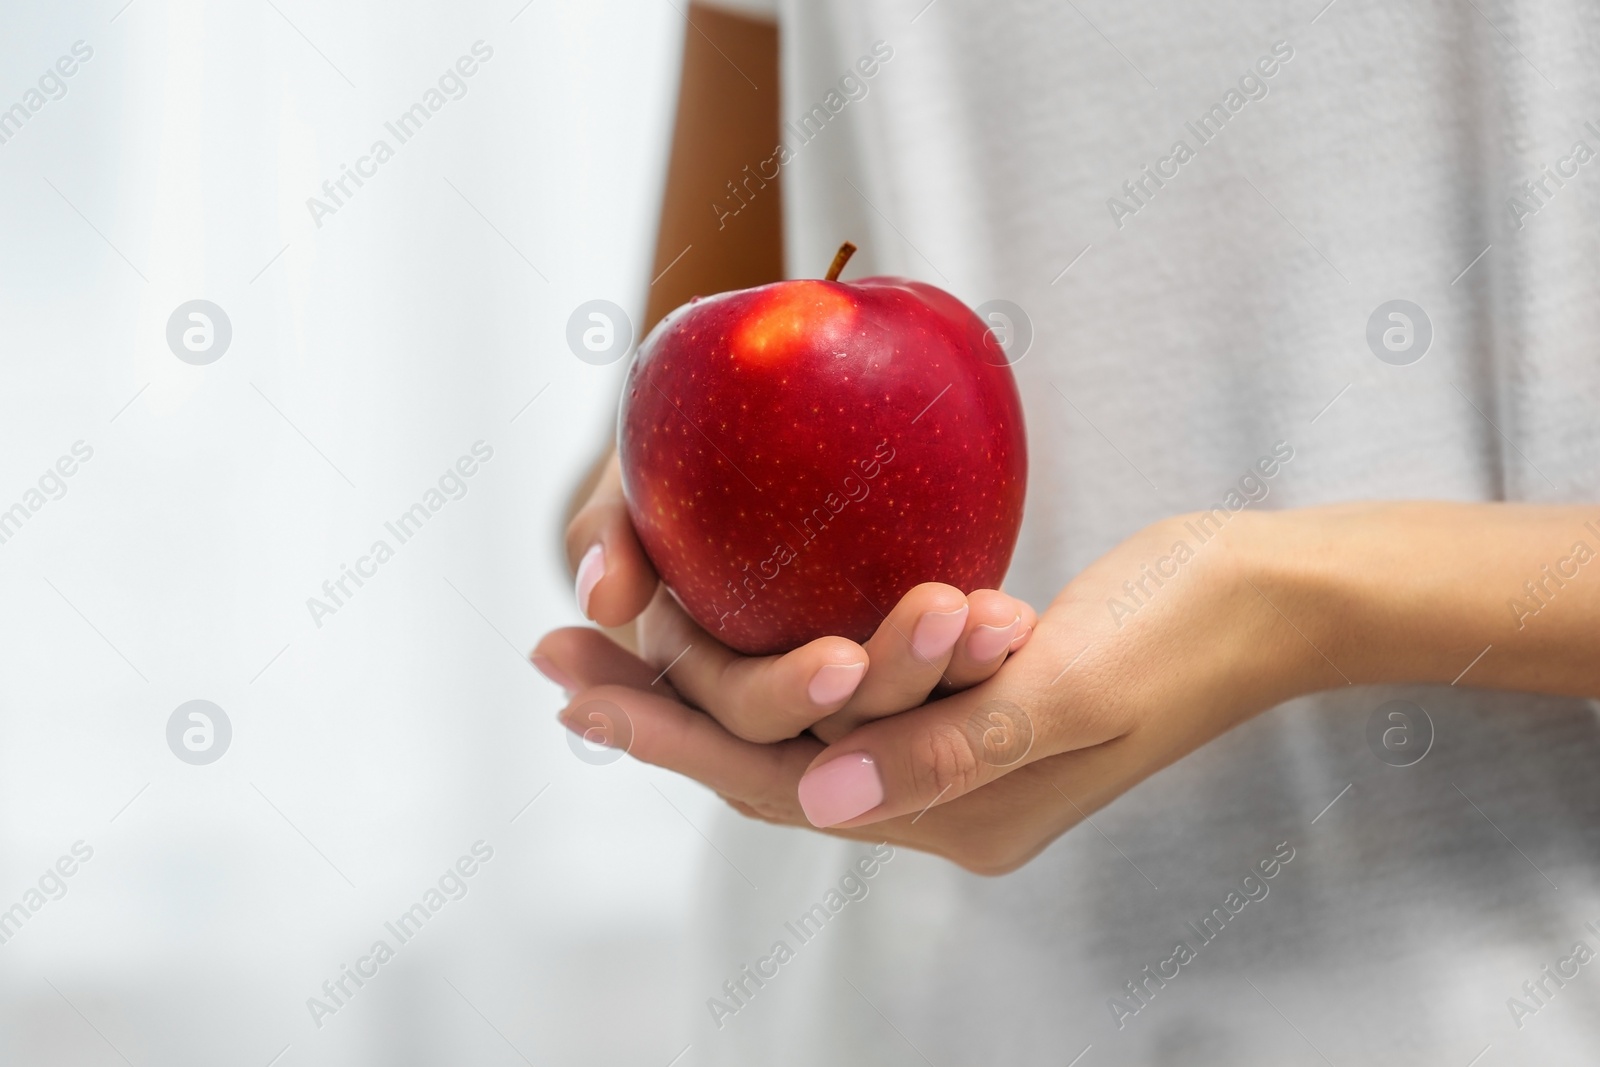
<point>725,123</point>
<point>1415,592</point>
<point>1191,626</point>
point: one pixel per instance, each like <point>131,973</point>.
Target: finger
<point>580,657</point>
<point>996,625</point>
<point>907,656</point>
<point>939,752</point>
<point>763,699</point>
<point>614,578</point>
<point>666,733</point>
<point>757,784</point>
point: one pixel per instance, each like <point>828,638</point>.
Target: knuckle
<point>745,713</point>
<point>756,729</point>
<point>947,762</point>
<point>752,720</point>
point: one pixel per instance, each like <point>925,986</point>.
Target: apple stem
<point>840,258</point>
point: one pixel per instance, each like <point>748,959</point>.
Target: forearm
<point>1502,596</point>
<point>711,240</point>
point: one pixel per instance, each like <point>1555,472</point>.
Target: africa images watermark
<point>1251,488</point>
<point>405,126</point>
<point>451,885</point>
<point>199,732</point>
<point>1400,733</point>
<point>51,886</point>
<point>1553,578</point>
<point>750,979</point>
<point>452,485</point>
<point>1536,992</point>
<point>1533,195</point>
<point>52,85</point>
<point>1142,989</point>
<point>1252,86</point>
<point>52,485</point>
<point>803,130</point>
<point>854,488</point>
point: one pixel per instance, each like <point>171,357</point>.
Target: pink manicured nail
<point>841,789</point>
<point>1021,639</point>
<point>988,642</point>
<point>554,673</point>
<point>591,569</point>
<point>937,631</point>
<point>835,682</point>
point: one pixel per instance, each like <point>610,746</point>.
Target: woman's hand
<point>1096,701</point>
<point>935,639</point>
<point>1184,630</point>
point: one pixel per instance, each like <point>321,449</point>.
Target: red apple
<point>798,456</point>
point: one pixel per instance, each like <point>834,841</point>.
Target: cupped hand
<point>935,639</point>
<point>1145,656</point>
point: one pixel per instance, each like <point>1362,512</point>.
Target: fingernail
<point>841,789</point>
<point>988,642</point>
<point>937,631</point>
<point>1021,639</point>
<point>554,673</point>
<point>835,683</point>
<point>591,569</point>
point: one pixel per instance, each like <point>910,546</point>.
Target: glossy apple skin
<point>798,456</point>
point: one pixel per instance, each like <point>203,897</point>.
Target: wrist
<point>1293,570</point>
<point>1250,642</point>
<point>1288,600</point>
<point>1381,592</point>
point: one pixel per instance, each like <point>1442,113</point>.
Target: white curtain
<point>398,342</point>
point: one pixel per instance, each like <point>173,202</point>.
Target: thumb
<point>614,578</point>
<point>906,763</point>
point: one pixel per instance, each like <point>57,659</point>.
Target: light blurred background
<point>367,354</point>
